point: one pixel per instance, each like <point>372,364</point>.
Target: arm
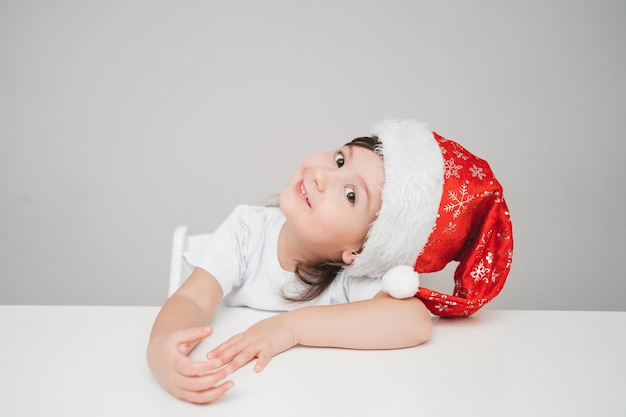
<point>380,323</point>
<point>179,326</point>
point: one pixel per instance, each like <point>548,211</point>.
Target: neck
<point>288,253</point>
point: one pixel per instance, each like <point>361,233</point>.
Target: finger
<point>241,359</point>
<point>192,334</point>
<point>229,354</point>
<point>202,382</point>
<point>229,350</point>
<point>262,360</point>
<point>224,346</point>
<point>191,368</point>
<point>207,396</point>
<point>186,339</point>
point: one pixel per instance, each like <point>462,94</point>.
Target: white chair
<point>182,241</point>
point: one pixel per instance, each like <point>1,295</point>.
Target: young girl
<point>340,257</point>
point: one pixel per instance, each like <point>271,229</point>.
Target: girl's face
<point>330,202</point>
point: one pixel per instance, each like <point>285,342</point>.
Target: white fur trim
<point>410,198</point>
<point>401,282</point>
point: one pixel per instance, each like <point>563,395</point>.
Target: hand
<point>193,381</point>
<point>262,340</point>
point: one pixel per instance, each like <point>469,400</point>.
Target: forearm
<point>178,313</point>
<point>193,305</point>
<point>380,323</point>
<point>179,327</point>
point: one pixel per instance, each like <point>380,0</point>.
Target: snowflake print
<point>449,229</point>
<point>495,276</point>
<point>451,169</point>
<point>468,292</point>
<point>480,273</point>
<point>483,240</point>
<point>504,235</point>
<point>460,155</point>
<point>442,307</point>
<point>509,260</point>
<point>477,172</point>
<point>489,258</point>
<point>458,201</point>
<point>459,291</point>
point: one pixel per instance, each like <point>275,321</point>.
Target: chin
<point>284,201</point>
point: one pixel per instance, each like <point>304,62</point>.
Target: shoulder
<point>250,225</point>
<point>256,215</point>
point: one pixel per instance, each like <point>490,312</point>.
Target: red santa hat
<point>440,203</point>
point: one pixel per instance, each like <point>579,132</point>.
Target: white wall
<point>121,119</point>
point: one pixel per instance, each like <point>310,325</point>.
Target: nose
<point>320,178</point>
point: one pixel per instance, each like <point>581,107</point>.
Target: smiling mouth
<point>303,193</point>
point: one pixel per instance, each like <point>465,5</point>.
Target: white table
<point>90,361</point>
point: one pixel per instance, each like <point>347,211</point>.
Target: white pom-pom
<point>401,281</point>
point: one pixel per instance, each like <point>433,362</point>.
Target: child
<point>401,202</point>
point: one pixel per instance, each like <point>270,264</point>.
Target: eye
<point>350,195</point>
<point>339,159</point>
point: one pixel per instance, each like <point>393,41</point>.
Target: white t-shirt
<point>242,254</point>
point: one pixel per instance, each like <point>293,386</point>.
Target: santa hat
<point>440,204</point>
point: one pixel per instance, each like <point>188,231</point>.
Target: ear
<point>347,256</point>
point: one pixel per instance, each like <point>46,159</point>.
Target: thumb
<point>186,339</point>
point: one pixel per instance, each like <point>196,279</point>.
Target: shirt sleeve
<point>223,254</point>
<point>345,289</point>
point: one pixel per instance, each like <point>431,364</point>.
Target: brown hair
<point>317,277</point>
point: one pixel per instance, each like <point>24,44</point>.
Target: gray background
<point>120,120</point>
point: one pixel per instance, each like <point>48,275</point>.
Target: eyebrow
<point>363,183</point>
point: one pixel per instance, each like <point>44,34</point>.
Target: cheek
<point>341,226</point>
